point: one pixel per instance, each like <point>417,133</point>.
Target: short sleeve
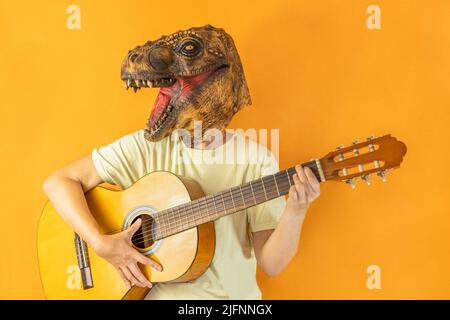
<point>121,162</point>
<point>266,216</point>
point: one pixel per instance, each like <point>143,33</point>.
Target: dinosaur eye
<point>190,47</point>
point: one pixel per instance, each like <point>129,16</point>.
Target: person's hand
<point>305,190</point>
<point>117,249</point>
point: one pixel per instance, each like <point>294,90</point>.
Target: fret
<point>205,212</point>
<point>256,189</point>
<point>169,216</point>
<point>269,187</point>
<point>187,216</point>
<point>215,207</point>
<point>282,182</point>
<point>253,193</point>
<point>238,198</point>
<point>195,212</point>
<point>264,188</point>
<point>224,207</point>
<point>259,191</point>
<point>172,215</point>
<point>181,217</point>
<point>199,209</point>
<point>288,176</point>
<point>212,205</point>
<point>242,195</point>
<point>175,218</point>
<point>219,204</point>
<point>276,185</point>
<point>232,199</point>
<point>202,206</point>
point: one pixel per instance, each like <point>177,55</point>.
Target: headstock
<point>363,159</point>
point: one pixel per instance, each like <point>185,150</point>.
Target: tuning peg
<point>351,183</point>
<point>366,178</point>
<point>371,137</point>
<point>372,149</point>
<point>382,175</point>
<point>340,156</point>
<point>356,153</point>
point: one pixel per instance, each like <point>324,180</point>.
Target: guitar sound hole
<point>143,238</point>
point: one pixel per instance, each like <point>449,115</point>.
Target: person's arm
<point>65,189</point>
<point>275,248</point>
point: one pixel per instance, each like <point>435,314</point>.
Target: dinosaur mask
<point>199,75</point>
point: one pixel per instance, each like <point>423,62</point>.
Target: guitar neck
<point>229,201</point>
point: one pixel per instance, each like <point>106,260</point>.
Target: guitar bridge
<point>83,262</point>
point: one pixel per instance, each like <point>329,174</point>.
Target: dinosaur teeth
<point>137,84</point>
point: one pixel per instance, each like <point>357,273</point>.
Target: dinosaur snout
<point>151,60</point>
<point>161,58</point>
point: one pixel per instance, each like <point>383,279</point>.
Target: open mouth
<point>173,94</point>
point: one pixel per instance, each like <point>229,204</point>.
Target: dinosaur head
<point>199,75</point>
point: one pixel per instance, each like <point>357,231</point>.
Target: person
<point>265,235</point>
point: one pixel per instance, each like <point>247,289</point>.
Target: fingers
<point>125,280</point>
<point>131,278</point>
<point>300,189</point>
<point>132,275</point>
<point>312,180</point>
<point>306,184</point>
<point>293,193</point>
<point>134,227</point>
<point>137,273</point>
<point>146,261</point>
<point>301,174</point>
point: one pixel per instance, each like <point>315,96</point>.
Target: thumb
<point>134,227</point>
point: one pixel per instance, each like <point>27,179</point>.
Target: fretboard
<point>232,200</point>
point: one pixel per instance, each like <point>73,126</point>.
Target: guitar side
<point>184,256</point>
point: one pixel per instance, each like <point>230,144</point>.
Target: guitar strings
<point>255,193</point>
<point>184,213</point>
<point>207,201</point>
<point>182,217</point>
<point>172,227</point>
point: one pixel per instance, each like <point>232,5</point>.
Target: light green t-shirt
<point>232,273</point>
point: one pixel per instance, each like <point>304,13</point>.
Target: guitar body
<point>184,256</point>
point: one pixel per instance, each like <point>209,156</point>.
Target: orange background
<point>314,70</point>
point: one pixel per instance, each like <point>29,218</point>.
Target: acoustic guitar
<point>178,221</point>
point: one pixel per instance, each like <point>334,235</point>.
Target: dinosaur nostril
<point>161,58</point>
